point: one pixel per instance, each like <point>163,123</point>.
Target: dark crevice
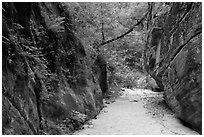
<point>182,46</point>
<point>38,91</point>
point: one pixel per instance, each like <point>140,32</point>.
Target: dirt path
<point>136,112</point>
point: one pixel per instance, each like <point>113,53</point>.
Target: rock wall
<point>180,65</point>
<point>49,84</point>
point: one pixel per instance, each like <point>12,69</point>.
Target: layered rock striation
<point>178,43</point>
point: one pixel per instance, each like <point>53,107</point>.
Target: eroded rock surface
<point>180,67</point>
<point>40,93</point>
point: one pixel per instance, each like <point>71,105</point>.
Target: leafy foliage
<point>99,22</point>
<point>75,120</point>
<point>33,56</point>
<point>54,23</point>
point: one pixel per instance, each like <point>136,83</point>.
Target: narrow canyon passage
<point>136,112</point>
<point>84,68</point>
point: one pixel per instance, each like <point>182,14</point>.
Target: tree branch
<point>102,31</point>
<point>102,24</point>
<point>121,36</point>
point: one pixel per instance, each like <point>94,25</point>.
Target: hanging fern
<point>54,23</point>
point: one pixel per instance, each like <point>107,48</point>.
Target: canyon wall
<point>51,82</point>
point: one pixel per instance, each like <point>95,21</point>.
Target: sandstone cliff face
<point>50,83</point>
<point>180,61</point>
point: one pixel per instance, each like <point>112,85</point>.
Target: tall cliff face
<point>50,83</point>
<point>180,62</point>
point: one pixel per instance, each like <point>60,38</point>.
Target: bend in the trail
<point>136,112</point>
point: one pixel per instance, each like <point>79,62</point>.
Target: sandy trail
<point>136,112</point>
